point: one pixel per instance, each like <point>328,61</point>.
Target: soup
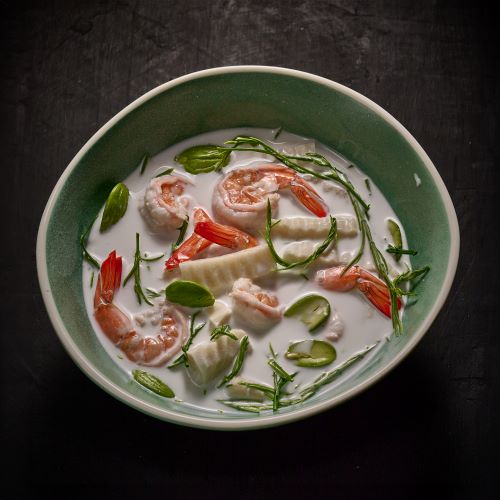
<point>245,276</point>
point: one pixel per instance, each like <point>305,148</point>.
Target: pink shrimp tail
<point>192,246</point>
<point>109,279</point>
<point>225,236</point>
<point>309,198</point>
<point>376,291</point>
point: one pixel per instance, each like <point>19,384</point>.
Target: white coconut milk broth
<point>364,325</point>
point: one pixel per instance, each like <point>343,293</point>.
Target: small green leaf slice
<point>203,159</point>
<point>311,353</point>
<point>153,383</point>
<point>396,236</point>
<point>313,310</point>
<point>116,206</point>
<point>189,294</point>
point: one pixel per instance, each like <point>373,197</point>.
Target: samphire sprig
<point>83,245</point>
<point>332,174</point>
<point>332,233</point>
<point>193,331</point>
<point>136,272</point>
<point>305,393</point>
<point>238,362</point>
<point>182,234</point>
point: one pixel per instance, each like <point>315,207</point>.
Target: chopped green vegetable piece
<point>238,362</point>
<point>311,353</point>
<point>203,159</point>
<point>400,251</point>
<point>182,234</point>
<point>189,294</point>
<point>116,206</point>
<point>136,272</point>
<point>153,383</point>
<point>396,237</point>
<point>144,161</point>
<point>220,330</point>
<point>313,310</point>
<point>83,245</point>
<point>193,331</point>
<point>168,171</point>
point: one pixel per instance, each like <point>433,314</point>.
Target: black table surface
<point>431,427</point>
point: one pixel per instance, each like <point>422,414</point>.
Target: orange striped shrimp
<point>205,233</point>
<point>240,198</point>
<point>374,289</point>
<point>117,326</point>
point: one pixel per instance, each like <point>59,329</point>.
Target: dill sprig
<point>220,330</point>
<point>182,234</point>
<point>238,362</point>
<point>193,331</point>
<point>83,245</point>
<point>136,272</point>
<point>332,233</point>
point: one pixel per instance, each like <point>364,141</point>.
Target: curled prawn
<point>374,289</point>
<point>164,203</point>
<point>205,233</point>
<point>150,351</point>
<point>253,305</point>
<point>240,198</point>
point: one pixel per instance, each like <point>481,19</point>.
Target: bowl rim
<point>263,421</point>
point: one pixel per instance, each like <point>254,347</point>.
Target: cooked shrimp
<point>240,198</point>
<point>192,246</point>
<point>225,236</point>
<point>151,351</point>
<point>205,233</point>
<point>164,204</point>
<point>374,290</point>
<point>253,305</point>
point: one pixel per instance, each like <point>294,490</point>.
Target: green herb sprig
<point>167,171</point>
<point>333,174</point>
<point>182,234</point>
<point>238,362</point>
<point>136,272</point>
<point>400,251</point>
<point>218,331</point>
<point>280,378</point>
<point>332,233</point>
<point>143,163</point>
<point>305,393</point>
<point>83,245</point>
<point>411,275</point>
<point>193,331</point>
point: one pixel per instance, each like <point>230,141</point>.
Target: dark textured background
<point>430,428</point>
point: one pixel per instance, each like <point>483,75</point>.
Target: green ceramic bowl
<point>231,97</point>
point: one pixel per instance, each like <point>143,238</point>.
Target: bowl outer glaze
<point>230,97</point>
